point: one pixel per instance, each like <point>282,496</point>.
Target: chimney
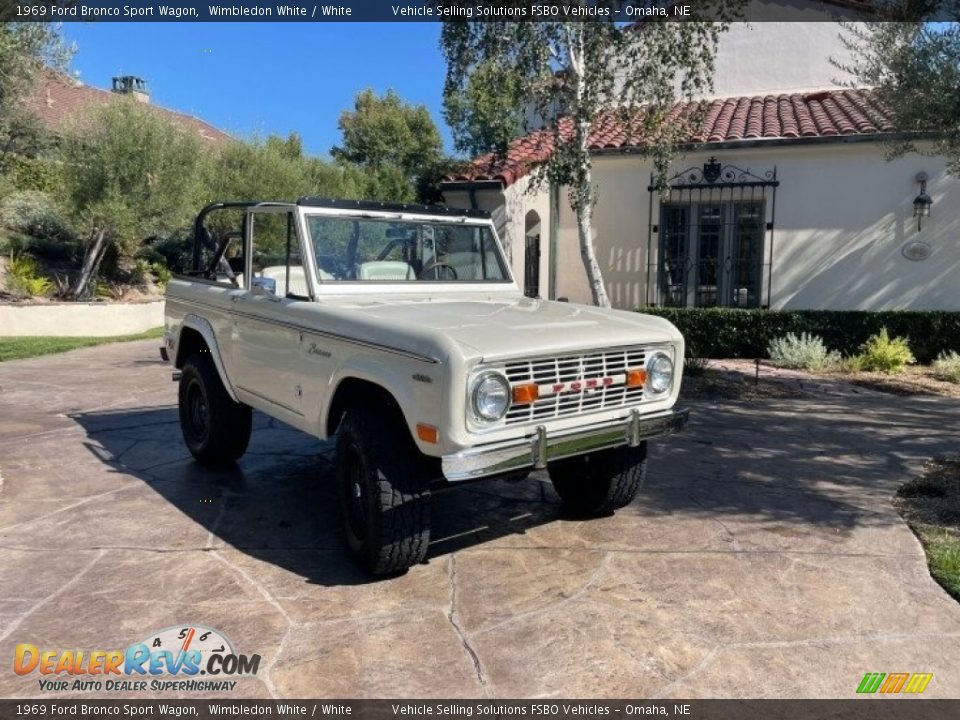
<point>132,85</point>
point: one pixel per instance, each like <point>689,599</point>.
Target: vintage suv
<point>399,330</point>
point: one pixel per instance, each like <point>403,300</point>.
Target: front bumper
<point>541,448</point>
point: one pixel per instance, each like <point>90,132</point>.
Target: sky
<point>270,77</point>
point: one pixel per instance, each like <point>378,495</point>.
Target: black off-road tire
<point>600,482</point>
<point>383,483</point>
<point>215,428</point>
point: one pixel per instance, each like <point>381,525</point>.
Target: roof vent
<point>132,85</point>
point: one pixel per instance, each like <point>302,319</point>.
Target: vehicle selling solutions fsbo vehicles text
<point>441,11</point>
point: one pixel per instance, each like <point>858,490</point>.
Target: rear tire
<point>383,482</point>
<point>600,482</point>
<point>215,428</point>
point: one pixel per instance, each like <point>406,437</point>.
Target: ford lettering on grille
<point>575,384</point>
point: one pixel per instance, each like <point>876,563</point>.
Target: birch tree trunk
<point>91,264</point>
<point>587,252</point>
<point>583,196</point>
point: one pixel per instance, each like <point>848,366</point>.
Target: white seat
<point>468,267</point>
<point>298,279</point>
<point>386,270</point>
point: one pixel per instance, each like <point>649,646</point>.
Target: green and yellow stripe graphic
<point>894,683</point>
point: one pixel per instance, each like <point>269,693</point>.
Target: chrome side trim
<point>540,449</point>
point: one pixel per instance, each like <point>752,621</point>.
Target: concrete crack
<point>64,509</point>
<point>452,616</point>
<point>52,596</point>
<point>704,663</point>
<point>591,581</point>
<point>267,677</point>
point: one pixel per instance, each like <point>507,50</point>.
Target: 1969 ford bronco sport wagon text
<point>399,330</point>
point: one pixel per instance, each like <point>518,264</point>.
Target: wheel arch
<point>351,390</point>
<point>196,335</point>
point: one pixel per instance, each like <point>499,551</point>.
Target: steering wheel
<point>228,271</point>
<point>435,269</point>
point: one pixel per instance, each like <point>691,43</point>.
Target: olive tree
<point>570,75</point>
<point>911,60</point>
<point>26,49</point>
<point>129,173</point>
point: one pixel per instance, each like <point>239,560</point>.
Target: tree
<point>393,142</point>
<point>25,50</point>
<point>277,169</point>
<point>913,66</point>
<point>574,75</point>
<point>129,174</point>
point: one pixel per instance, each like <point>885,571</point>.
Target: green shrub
<point>25,276</point>
<point>34,173</point>
<point>737,333</point>
<point>885,354</point>
<point>138,275</point>
<point>162,274</point>
<point>36,214</point>
<point>801,352</point>
<point>176,251</point>
<point>947,366</point>
<point>852,364</point>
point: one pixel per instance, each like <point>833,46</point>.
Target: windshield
<point>388,250</point>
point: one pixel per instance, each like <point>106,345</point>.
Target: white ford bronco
<point>399,330</point>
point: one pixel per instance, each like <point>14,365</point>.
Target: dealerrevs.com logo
<point>170,659</point>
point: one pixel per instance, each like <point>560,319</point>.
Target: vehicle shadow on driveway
<point>803,475</point>
<point>279,503</point>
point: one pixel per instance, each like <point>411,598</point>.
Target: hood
<point>520,326</point>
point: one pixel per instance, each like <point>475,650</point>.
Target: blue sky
<point>267,77</point>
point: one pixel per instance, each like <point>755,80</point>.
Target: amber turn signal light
<point>526,394</point>
<point>636,378</point>
<point>428,433</point>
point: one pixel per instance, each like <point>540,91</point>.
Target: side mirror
<point>263,286</point>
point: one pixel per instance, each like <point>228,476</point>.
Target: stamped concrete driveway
<point>763,558</point>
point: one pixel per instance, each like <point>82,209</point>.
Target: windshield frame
<point>308,212</point>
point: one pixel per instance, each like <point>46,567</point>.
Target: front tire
<point>384,492</point>
<point>600,482</point>
<point>215,428</point>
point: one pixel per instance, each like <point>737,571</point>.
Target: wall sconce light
<point>922,202</point>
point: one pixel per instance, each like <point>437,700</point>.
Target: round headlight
<point>659,373</point>
<point>491,396</point>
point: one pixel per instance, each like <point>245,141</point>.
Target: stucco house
<point>782,198</point>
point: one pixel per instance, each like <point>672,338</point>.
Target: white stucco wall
<point>843,216</point>
<point>790,54</point>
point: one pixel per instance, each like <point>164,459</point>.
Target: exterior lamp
<point>922,202</point>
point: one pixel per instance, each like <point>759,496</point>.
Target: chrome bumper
<point>538,450</point>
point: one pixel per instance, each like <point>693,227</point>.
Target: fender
<point>419,402</point>
<point>202,326</point>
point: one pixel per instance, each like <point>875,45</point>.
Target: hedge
<point>734,333</point>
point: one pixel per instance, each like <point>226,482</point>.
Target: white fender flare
<point>202,326</point>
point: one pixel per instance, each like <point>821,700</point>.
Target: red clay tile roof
<point>58,96</point>
<point>830,113</point>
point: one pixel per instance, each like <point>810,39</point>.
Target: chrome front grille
<point>574,370</point>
